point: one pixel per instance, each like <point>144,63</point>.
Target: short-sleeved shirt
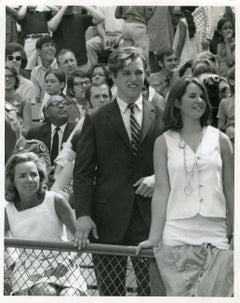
<point>35,22</point>
<point>70,34</point>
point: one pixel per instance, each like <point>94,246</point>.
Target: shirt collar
<point>62,127</point>
<point>124,105</point>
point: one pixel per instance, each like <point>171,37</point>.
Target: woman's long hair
<point>172,116</point>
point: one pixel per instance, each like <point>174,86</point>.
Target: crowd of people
<point>119,125</point>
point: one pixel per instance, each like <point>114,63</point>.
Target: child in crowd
<point>226,48</point>
<point>226,116</point>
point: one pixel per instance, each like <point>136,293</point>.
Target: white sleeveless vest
<point>207,197</point>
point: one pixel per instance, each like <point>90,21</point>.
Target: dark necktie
<point>135,128</point>
<point>55,145</point>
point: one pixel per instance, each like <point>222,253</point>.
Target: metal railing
<point>98,269</point>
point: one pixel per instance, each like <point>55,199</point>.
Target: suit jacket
<point>43,133</point>
<point>106,169</point>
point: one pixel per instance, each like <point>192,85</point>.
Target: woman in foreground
<point>36,214</point>
<point>193,197</point>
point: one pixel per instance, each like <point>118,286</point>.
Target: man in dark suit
<point>57,130</point>
<point>113,173</point>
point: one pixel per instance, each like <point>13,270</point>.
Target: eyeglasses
<point>58,103</point>
<point>11,58</point>
<point>81,83</point>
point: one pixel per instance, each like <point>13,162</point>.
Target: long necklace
<point>188,173</point>
<point>188,189</point>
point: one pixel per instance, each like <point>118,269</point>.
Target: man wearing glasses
<point>77,83</point>
<point>56,130</point>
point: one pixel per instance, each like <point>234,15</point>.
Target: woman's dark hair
<point>11,193</point>
<point>108,79</point>
<point>15,73</point>
<point>15,47</point>
<point>184,67</point>
<point>58,73</point>
<point>172,114</point>
<point>221,22</point>
<point>187,12</point>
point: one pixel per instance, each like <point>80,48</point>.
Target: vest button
<point>198,157</point>
<point>201,200</point>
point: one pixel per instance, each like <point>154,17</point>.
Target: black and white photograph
<point>119,153</point>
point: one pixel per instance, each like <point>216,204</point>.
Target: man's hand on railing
<point>84,226</point>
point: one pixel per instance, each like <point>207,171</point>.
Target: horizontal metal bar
<point>103,249</point>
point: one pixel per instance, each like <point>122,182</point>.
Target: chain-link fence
<point>50,268</point>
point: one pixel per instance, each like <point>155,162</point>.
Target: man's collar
<point>62,127</point>
<point>123,105</point>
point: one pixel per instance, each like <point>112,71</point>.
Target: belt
<point>36,36</point>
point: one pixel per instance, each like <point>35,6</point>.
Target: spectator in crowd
<point>217,13</point>
<point>98,74</point>
<point>57,130</point>
<point>47,51</point>
<point>109,34</point>
<point>204,28</point>
<point>67,61</point>
<point>226,48</point>
<point>34,21</point>
<point>69,27</point>
<point>115,164</point>
<point>10,135</point>
<point>185,40</point>
<point>150,94</point>
<point>226,111</point>
<point>54,82</point>
<point>11,24</point>
<point>22,144</point>
<point>16,55</point>
<point>135,31</point>
<point>208,75</point>
<point>34,213</point>
<point>160,32</point>
<point>97,96</point>
<point>193,164</point>
<point>13,99</point>
<point>164,79</point>
<point>186,69</point>
<point>78,82</point>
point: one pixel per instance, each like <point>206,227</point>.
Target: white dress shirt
<point>60,134</point>
<point>125,113</point>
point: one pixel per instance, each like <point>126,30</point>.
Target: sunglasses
<point>11,58</point>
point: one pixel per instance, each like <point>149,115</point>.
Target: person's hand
<point>145,244</point>
<point>227,38</point>
<point>145,186</point>
<point>83,227</point>
<point>107,43</point>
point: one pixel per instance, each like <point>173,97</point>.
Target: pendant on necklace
<point>188,189</point>
<point>181,144</point>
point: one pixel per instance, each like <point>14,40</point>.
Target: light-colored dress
<point>41,266</point>
<point>190,48</point>
<point>193,258</point>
